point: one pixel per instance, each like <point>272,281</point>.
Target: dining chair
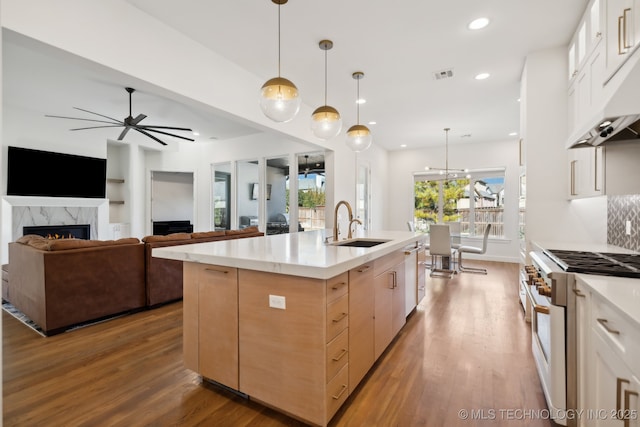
<point>456,241</point>
<point>474,250</point>
<point>440,246</point>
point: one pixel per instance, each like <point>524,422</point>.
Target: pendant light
<point>279,97</point>
<point>446,171</point>
<point>325,121</point>
<point>358,136</point>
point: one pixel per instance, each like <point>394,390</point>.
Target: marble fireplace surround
<point>18,211</point>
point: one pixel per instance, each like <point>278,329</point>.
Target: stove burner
<point>605,264</point>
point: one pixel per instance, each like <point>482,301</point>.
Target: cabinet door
<point>620,33</point>
<point>361,323</point>
<point>398,309</point>
<point>384,285</point>
<point>218,324</point>
<point>583,347</point>
<point>613,395</point>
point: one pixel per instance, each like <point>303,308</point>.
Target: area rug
<point>9,308</point>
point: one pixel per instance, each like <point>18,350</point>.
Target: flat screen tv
<point>44,173</point>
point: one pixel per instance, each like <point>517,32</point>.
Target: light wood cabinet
<point>361,323</point>
<point>297,344</point>
<point>211,322</point>
<point>389,311</point>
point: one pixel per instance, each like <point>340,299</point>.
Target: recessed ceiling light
<point>373,122</point>
<point>361,101</point>
<point>196,133</point>
<point>403,145</point>
<point>482,76</point>
<point>513,133</point>
<point>479,23</point>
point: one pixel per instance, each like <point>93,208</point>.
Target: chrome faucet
<point>336,228</point>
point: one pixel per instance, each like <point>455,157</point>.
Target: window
<point>475,202</point>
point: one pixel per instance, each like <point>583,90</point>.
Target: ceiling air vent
<point>443,74</point>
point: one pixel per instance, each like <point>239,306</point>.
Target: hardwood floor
<point>466,347</point>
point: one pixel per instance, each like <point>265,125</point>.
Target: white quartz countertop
<point>622,293</point>
<point>299,254</point>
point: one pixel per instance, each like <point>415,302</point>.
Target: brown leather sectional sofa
<point>61,283</point>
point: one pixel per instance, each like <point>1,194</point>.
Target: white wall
<point>550,216</point>
<point>501,154</point>
<point>235,98</point>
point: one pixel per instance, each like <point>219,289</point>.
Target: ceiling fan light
<point>326,122</point>
<point>359,138</point>
<point>279,99</point>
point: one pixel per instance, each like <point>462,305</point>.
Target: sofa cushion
<point>247,230</point>
<point>66,244</point>
<point>167,238</point>
<point>27,238</point>
<point>207,234</point>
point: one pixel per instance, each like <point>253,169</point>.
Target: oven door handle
<point>542,309</point>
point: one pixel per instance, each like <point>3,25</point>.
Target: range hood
<point>619,118</point>
<point>611,129</point>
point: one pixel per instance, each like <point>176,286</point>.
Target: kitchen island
<point>290,320</point>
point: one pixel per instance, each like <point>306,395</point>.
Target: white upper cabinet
<point>622,32</point>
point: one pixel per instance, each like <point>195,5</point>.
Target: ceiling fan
<point>128,123</point>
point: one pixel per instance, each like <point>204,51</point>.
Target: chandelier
<point>446,171</point>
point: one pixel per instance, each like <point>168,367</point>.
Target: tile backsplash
<point>621,209</point>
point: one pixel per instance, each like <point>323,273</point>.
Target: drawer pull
<point>214,270</point>
<point>342,316</point>
<point>578,293</point>
<point>363,269</point>
<point>627,410</point>
<point>604,324</point>
<point>338,285</point>
<point>619,382</point>
<point>341,392</point>
<point>340,356</point>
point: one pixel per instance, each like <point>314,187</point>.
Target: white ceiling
<point>398,45</point>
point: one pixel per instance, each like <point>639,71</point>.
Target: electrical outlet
<point>277,301</point>
<point>628,228</point>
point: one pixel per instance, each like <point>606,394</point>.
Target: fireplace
<point>75,231</point>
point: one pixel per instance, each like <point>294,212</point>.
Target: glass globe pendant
<point>279,97</point>
<point>359,136</point>
<point>326,122</point>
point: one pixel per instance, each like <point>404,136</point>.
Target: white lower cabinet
<point>608,363</point>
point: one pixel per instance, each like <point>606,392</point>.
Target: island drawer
<point>387,262</point>
<point>337,354</point>
<point>337,286</point>
<point>337,317</point>
<point>337,391</point>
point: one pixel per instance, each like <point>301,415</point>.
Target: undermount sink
<point>360,243</point>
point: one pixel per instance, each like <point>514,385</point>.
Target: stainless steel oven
<point>547,293</point>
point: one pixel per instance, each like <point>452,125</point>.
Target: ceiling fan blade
<point>150,136</point>
<point>124,132</point>
<point>86,120</point>
<point>97,114</point>
<point>165,133</point>
<point>97,127</point>
<point>138,119</point>
<point>166,127</point>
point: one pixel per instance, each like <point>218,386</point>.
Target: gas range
<point>604,264</point>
